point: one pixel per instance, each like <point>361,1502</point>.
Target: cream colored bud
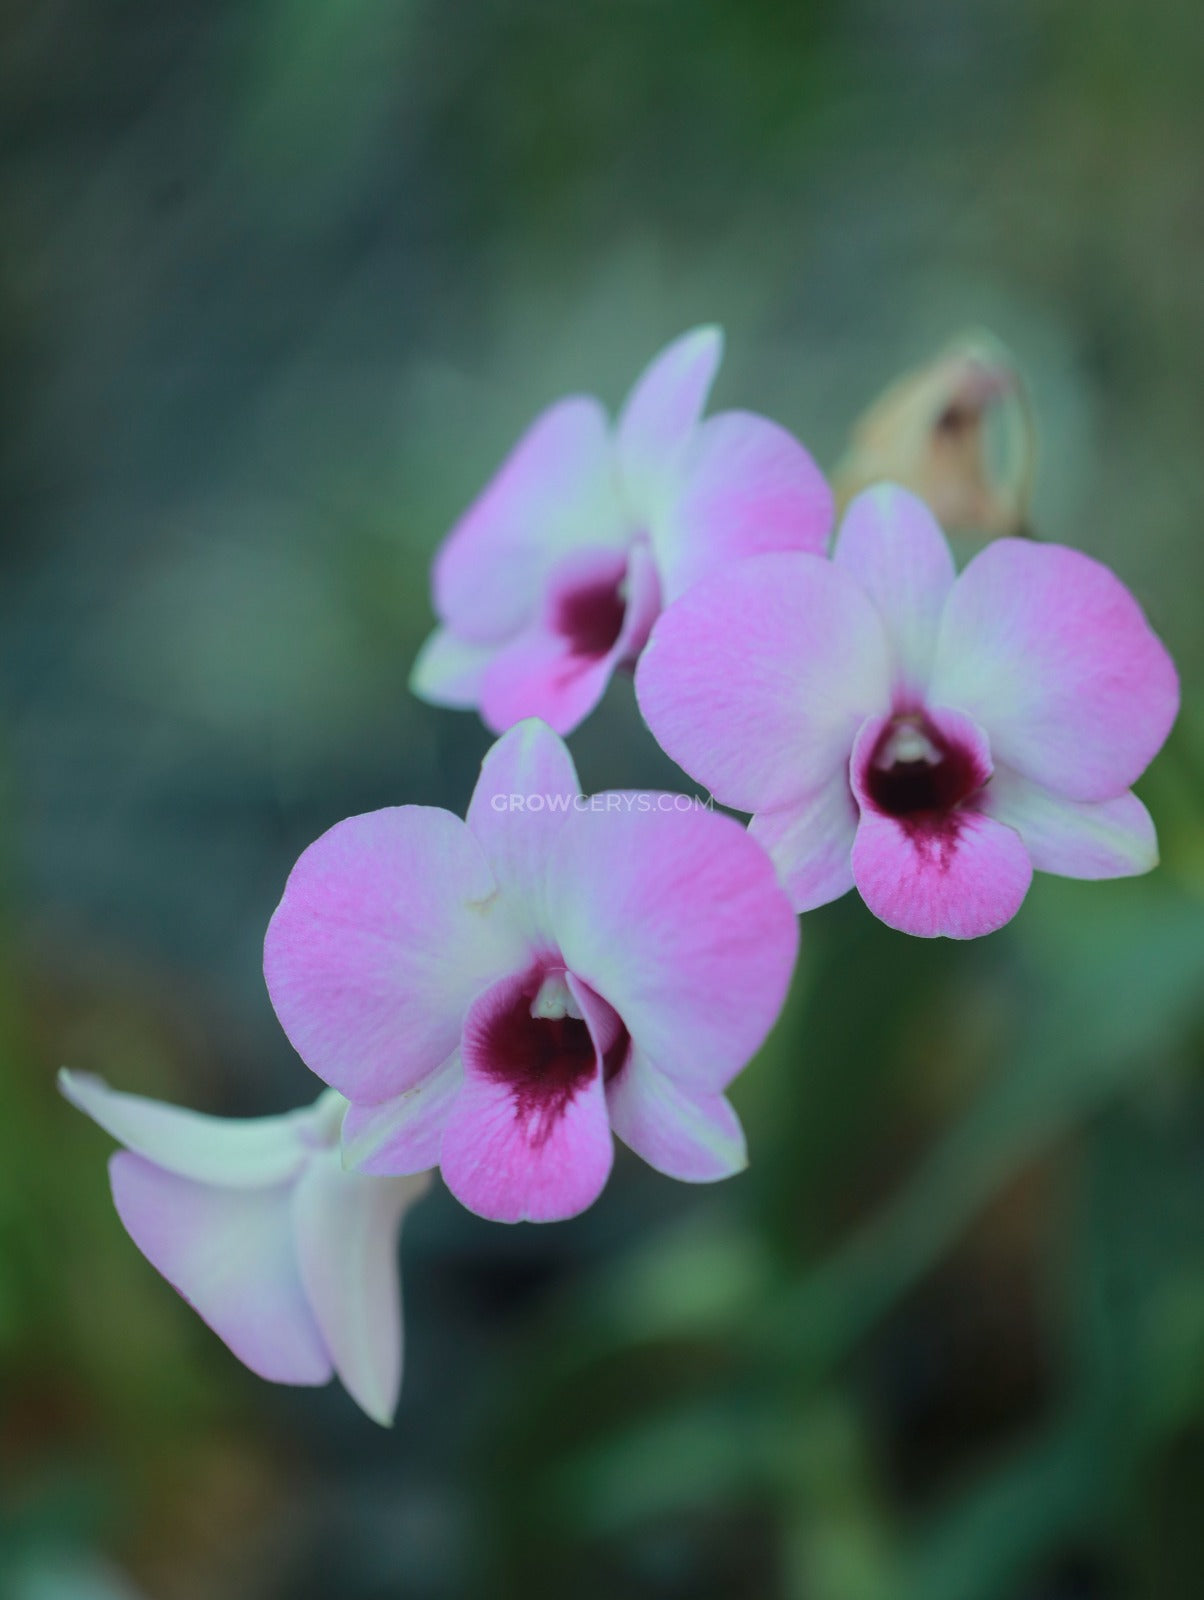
<point>959,433</point>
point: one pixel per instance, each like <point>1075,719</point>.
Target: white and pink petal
<point>450,671</point>
<point>554,493</point>
<point>230,1252</point>
<point>528,785</point>
<point>757,680</point>
<point>346,1228</point>
<point>747,487</point>
<point>890,542</point>
<point>659,416</point>
<point>810,843</point>
<point>675,918</point>
<point>1074,838</point>
<point>1050,652</point>
<point>242,1153</point>
<point>694,1137</point>
<point>404,1134</point>
<point>390,923</point>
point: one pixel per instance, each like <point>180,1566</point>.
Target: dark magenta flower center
<point>591,618</point>
<point>915,772</point>
<point>542,1049</point>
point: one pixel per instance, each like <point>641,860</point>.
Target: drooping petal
<point>1052,655</point>
<point>661,412</point>
<point>694,1137</point>
<point>674,917</point>
<point>242,1153</point>
<point>955,873</point>
<point>747,487</point>
<point>893,546</point>
<point>346,1232</point>
<point>527,1138</point>
<point>554,493</point>
<point>758,678</point>
<point>405,1134</point>
<point>450,671</point>
<point>231,1254</point>
<point>390,923</point>
<point>810,843</point>
<point>1074,838</point>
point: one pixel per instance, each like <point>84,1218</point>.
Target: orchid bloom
<point>555,574</point>
<point>497,996</point>
<point>928,737</point>
<point>291,1260</point>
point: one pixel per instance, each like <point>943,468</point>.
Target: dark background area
<point>281,282</point>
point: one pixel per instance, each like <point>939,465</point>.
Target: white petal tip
<point>377,1408</point>
<point>447,671</point>
<point>383,1417</point>
<point>81,1089</point>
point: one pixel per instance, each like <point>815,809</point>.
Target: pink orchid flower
<point>555,574</point>
<point>496,996</point>
<point>927,737</point>
<point>290,1260</point>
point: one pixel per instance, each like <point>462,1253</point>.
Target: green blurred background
<point>282,281</point>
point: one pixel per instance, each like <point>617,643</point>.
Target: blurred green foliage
<point>282,283</point>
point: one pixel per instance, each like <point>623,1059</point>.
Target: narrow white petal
<point>346,1234</point>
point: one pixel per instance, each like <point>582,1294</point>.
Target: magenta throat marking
<point>545,1060</point>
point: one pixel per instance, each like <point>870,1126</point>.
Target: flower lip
<point>591,617</point>
<point>541,1048</point>
<point>916,773</point>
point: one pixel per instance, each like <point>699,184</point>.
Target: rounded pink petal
<point>1074,838</point>
<point>230,1253</point>
<point>747,487</point>
<point>346,1239</point>
<point>554,493</point>
<point>1053,656</point>
<point>891,543</point>
<point>450,671</point>
<point>242,1153</point>
<point>694,1137</point>
<point>661,412</point>
<point>960,887</point>
<point>389,925</point>
<point>405,1134</point>
<point>810,843</point>
<point>516,1148</point>
<point>959,874</point>
<point>674,917</point>
<point>757,679</point>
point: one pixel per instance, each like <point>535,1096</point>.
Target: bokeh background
<point>281,282</point>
